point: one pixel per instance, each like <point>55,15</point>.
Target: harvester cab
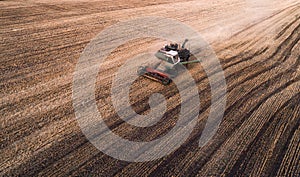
<point>166,69</point>
<point>171,56</point>
<point>182,53</point>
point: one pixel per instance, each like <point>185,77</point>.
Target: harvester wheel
<point>141,70</point>
<point>166,81</point>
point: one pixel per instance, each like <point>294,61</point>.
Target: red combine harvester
<point>171,57</point>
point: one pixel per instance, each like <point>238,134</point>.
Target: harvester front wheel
<point>141,70</point>
<point>166,81</point>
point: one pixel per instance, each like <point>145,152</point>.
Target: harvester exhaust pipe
<point>185,41</point>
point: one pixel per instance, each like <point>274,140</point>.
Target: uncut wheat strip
<point>38,144</point>
<point>66,78</point>
<point>49,39</point>
<point>60,165</point>
<point>40,64</point>
<point>144,169</point>
<point>32,80</point>
<point>77,158</point>
<point>57,164</point>
<point>21,151</point>
<point>60,103</point>
<point>45,104</point>
<point>27,110</point>
<point>119,14</point>
<point>52,23</point>
<point>39,88</point>
<point>33,118</point>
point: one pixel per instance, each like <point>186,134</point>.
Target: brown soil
<point>259,52</point>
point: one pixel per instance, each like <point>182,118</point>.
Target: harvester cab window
<point>173,57</point>
<point>176,59</point>
<point>170,59</point>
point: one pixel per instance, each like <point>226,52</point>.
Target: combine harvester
<point>171,57</point>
